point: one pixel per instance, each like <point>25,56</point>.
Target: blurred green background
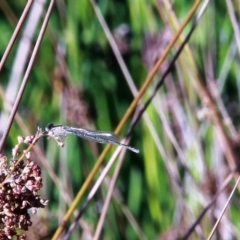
<point>76,80</point>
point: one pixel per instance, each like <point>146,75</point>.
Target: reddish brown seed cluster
<point>19,186</point>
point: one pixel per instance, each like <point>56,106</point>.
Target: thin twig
<point>235,23</point>
<point>108,197</point>
<point>114,47</point>
<point>27,73</point>
<point>210,204</point>
<point>15,33</point>
<point>224,209</point>
<point>93,192</point>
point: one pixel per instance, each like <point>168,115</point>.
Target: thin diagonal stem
<point>15,34</point>
<point>205,210</point>
<point>224,209</point>
<point>27,73</point>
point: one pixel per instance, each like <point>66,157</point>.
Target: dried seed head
<point>19,186</point>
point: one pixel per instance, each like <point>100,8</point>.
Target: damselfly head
<point>49,127</point>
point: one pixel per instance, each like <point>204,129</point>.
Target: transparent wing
<point>97,136</point>
<point>60,132</point>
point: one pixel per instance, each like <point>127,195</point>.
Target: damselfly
<point>60,131</point>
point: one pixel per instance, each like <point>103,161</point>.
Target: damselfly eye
<point>49,127</point>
